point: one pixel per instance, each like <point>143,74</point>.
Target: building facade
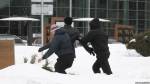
<point>126,12</point>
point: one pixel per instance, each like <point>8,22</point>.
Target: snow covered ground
<point>128,67</point>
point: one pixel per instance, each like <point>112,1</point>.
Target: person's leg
<point>63,63</point>
<point>59,66</point>
<point>106,67</point>
<point>104,64</point>
<point>67,61</point>
<point>96,66</point>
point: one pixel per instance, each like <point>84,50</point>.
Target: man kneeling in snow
<point>62,47</point>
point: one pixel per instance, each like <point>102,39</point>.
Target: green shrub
<point>33,59</point>
<point>142,44</point>
<point>25,59</point>
<point>131,44</point>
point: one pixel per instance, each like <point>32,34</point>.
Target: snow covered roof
<point>19,19</point>
<point>89,19</point>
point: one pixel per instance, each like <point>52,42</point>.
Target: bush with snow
<point>141,44</point>
<point>34,59</point>
<point>47,67</point>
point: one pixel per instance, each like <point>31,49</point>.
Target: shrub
<point>25,59</point>
<point>33,59</point>
<point>46,67</point>
<point>131,44</point>
<point>142,44</point>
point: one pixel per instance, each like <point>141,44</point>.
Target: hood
<point>95,24</point>
<point>68,20</point>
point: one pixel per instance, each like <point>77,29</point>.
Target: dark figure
<point>62,47</point>
<point>73,33</point>
<point>99,42</point>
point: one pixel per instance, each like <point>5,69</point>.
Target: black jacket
<point>98,40</point>
<point>73,33</point>
<point>60,44</point>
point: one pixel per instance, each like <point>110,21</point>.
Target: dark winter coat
<point>73,33</point>
<point>98,40</point>
<point>60,44</point>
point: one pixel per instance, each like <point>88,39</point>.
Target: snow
<point>128,67</point>
<point>133,40</point>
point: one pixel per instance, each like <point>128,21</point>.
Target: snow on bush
<point>141,44</point>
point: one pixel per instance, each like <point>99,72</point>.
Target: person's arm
<point>53,47</point>
<point>74,34</point>
<point>84,42</point>
<point>86,39</point>
<point>44,47</point>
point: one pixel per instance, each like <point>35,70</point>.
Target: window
<point>132,5</point>
<point>142,0</point>
<point>62,3</point>
<point>101,3</point>
<point>141,25</point>
<point>92,4</point>
<point>121,13</point>
<point>20,11</point>
<point>141,5</point>
<point>121,5</point>
<point>4,11</point>
<point>3,30</point>
<point>132,14</point>
<point>112,14</point>
<point>79,12</point>
<point>92,13</point>
<point>101,13</point>
<point>20,3</point>
<point>141,15</point>
<point>62,11</point>
<point>132,22</point>
<point>112,4</point>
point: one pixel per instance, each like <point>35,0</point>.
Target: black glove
<point>39,50</point>
<point>91,51</point>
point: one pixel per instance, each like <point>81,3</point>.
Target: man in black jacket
<point>99,42</point>
<point>62,47</point>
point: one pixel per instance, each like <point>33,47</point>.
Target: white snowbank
<point>128,67</point>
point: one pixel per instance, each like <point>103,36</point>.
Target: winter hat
<point>95,24</point>
<point>68,20</point>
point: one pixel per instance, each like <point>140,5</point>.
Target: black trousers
<point>102,62</point>
<point>63,62</point>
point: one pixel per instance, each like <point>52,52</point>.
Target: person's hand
<point>39,50</point>
<point>39,60</point>
<point>91,51</point>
